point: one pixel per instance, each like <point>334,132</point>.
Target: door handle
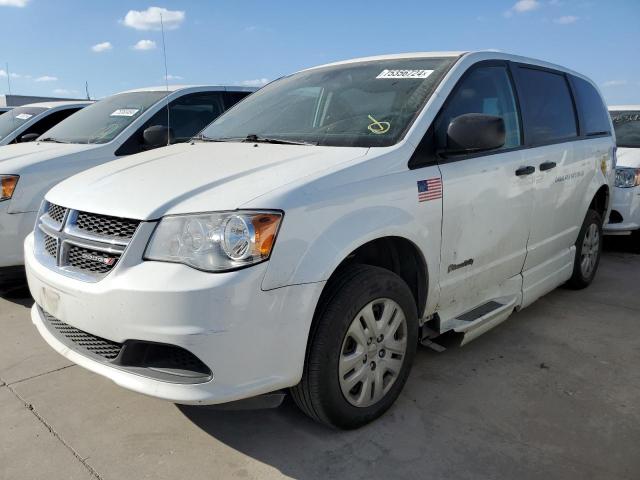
<point>528,170</point>
<point>547,166</point>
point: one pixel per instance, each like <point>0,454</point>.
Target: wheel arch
<point>396,254</point>
<point>601,201</point>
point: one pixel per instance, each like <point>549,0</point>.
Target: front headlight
<point>627,177</point>
<point>215,242</point>
<point>8,185</point>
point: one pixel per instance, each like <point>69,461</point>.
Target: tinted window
<point>547,107</point>
<point>594,118</point>
<point>485,90</point>
<point>189,114</point>
<point>362,104</point>
<point>627,126</point>
<point>231,98</point>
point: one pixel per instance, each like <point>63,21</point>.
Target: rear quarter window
<point>594,118</point>
<point>547,106</point>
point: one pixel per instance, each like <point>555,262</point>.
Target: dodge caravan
<point>315,233</point>
<point>625,206</point>
<point>119,125</point>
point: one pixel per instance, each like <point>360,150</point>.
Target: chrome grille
<point>106,226</point>
<point>84,245</point>
<point>90,343</point>
<point>56,212</point>
<point>91,260</point>
<point>51,246</point>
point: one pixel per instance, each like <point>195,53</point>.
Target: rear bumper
<point>14,227</point>
<point>253,341</point>
<point>626,202</point>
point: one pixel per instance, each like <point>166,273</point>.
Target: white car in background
<point>625,208</point>
<point>316,232</point>
<point>26,123</point>
<point>120,125</point>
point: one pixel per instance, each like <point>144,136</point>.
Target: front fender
<point>316,238</point>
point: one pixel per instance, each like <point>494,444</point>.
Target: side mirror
<point>157,136</point>
<point>475,132</point>
<point>29,137</point>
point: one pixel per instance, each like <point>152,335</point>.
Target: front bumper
<point>626,201</point>
<point>253,341</point>
<point>14,227</point>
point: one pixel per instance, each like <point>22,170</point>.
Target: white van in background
<point>26,123</point>
<point>312,235</point>
<point>120,125</point>
<point>625,208</point>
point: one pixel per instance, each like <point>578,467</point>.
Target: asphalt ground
<point>553,393</point>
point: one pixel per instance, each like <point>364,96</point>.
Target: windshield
<point>627,127</point>
<point>364,104</point>
<point>104,120</point>
<point>17,117</point>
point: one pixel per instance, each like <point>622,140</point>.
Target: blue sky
<point>52,47</point>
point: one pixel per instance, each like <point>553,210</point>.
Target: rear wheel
<point>588,251</point>
<point>361,348</point>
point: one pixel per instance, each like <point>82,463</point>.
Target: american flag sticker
<point>429,189</point>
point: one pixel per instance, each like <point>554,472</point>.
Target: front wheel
<point>361,348</point>
<point>588,251</point>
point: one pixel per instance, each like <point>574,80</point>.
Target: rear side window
<point>485,90</point>
<point>594,118</point>
<point>547,107</point>
<point>231,98</point>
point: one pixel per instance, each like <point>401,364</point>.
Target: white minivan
<point>625,206</point>
<point>316,232</point>
<point>26,123</point>
<point>120,125</point>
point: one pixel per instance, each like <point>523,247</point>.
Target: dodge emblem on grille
<point>97,258</point>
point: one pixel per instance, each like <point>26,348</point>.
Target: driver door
<point>487,206</point>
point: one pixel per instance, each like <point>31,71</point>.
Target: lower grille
<point>91,260</point>
<point>160,361</point>
<point>87,342</point>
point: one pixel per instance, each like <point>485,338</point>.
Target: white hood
<point>15,159</point>
<point>189,178</point>
<point>628,157</point>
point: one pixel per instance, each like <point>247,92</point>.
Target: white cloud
<point>46,78</point>
<point>145,45</point>
<point>102,47</point>
<point>3,74</point>
<point>614,83</point>
<point>566,20</point>
<point>522,6</point>
<point>258,82</point>
<point>64,91</point>
<point>149,19</point>
<point>526,5</point>
<point>173,77</point>
<point>13,3</point>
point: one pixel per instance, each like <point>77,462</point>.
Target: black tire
<point>319,393</point>
<point>581,279</point>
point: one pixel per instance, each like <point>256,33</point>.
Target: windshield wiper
<point>253,139</point>
<point>51,139</point>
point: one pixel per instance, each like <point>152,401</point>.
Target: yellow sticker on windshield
<point>378,127</point>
